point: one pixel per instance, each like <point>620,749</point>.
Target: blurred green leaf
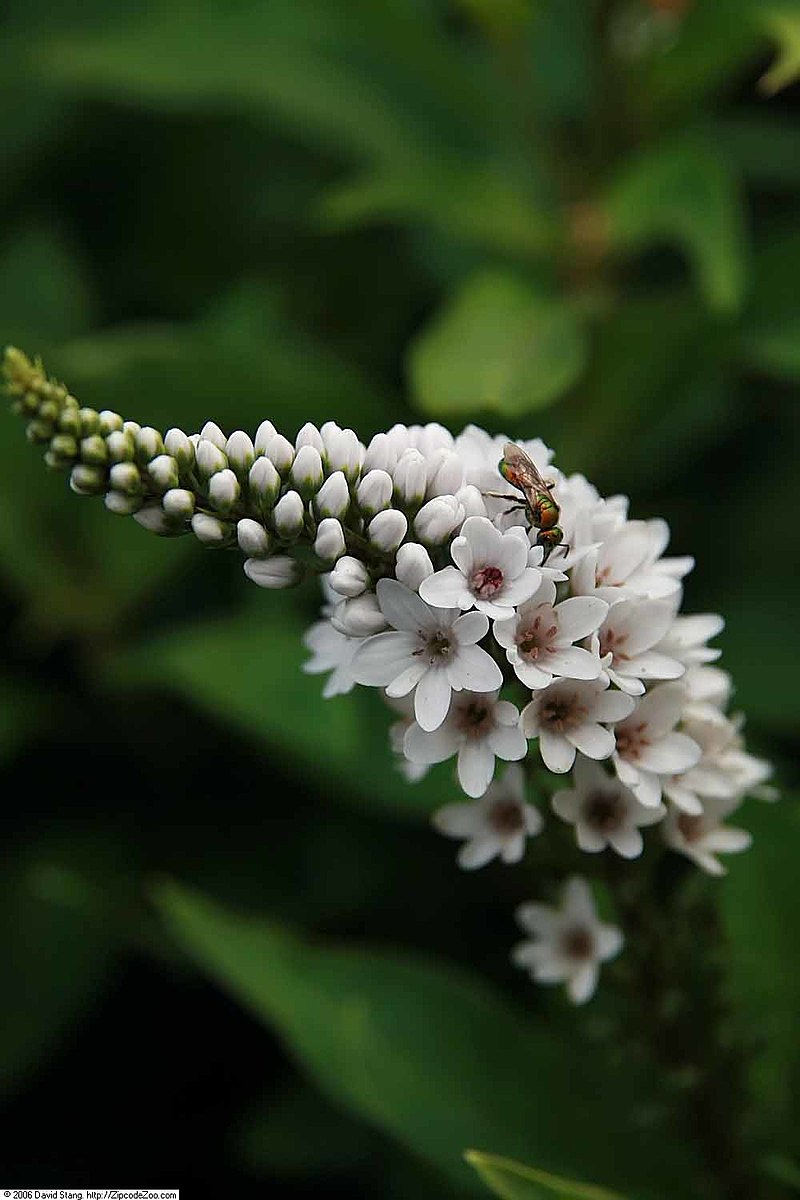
<point>499,344</point>
<point>781,23</point>
<point>44,292</point>
<point>686,193</point>
<point>766,150</point>
<point>246,669</point>
<point>783,1170</point>
<point>513,1181</point>
<point>427,1053</point>
<point>770,331</point>
<point>21,711</point>
<point>756,898</point>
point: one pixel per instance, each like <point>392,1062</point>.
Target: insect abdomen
<point>545,513</point>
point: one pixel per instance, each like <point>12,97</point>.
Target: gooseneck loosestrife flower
<point>573,661</point>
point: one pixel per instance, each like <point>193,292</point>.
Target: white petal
<point>557,753</point>
<point>381,658</point>
<point>627,842</point>
<point>533,677</point>
<point>513,560</point>
<point>578,902</point>
<point>422,747</point>
<point>670,754</point>
<point>592,740</point>
<point>472,668</point>
<point>573,663</point>
<point>402,684</point>
<point>470,628</point>
<point>478,852</point>
<point>484,539</point>
<point>565,804</point>
<point>652,665</point>
<point>461,554</point>
<point>540,919</point>
<point>518,590</point>
<point>647,789</point>
<point>612,706</point>
<point>726,840</point>
<point>446,589</point>
<point>514,849</point>
<point>475,767</point>
<point>589,839</point>
<point>579,616</point>
<point>458,820</point>
<point>432,699</point>
<point>508,742</point>
<point>644,621</point>
<point>661,708</point>
<point>581,986</point>
<point>609,941</point>
<point>403,608</point>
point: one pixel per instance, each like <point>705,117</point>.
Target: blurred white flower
<point>497,825</point>
<point>478,728</point>
<point>604,812</point>
<point>703,836</point>
<point>572,715</point>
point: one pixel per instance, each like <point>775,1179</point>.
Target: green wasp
<point>517,468</point>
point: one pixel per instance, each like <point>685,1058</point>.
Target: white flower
<point>687,636</point>
<point>648,747</point>
<point>569,943</point>
<point>437,519</point>
<point>724,772</point>
<point>374,492</point>
<point>539,638</point>
<point>288,515</point>
<point>495,825</point>
<point>280,571</point>
<point>349,577</point>
<point>265,482</point>
<point>387,529</point>
<point>491,572</point>
<point>381,454</point>
<point>359,616</point>
<point>604,812</point>
<point>702,836</point>
<point>413,564</point>
<point>609,567</point>
<point>333,498</point>
<point>431,649</point>
<point>628,634</point>
<point>479,728</point>
<point>331,651</point>
<point>409,477</point>
<point>253,539</point>
<point>572,715</point>
<point>329,544</point>
<point>309,435</point>
<point>223,490</point>
<point>240,452</point>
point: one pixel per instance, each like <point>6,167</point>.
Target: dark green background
<point>567,219</point>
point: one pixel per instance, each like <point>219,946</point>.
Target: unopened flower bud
<point>94,450</point>
<point>280,571</point>
<point>149,444</point>
<point>349,577</point>
<point>345,453</point>
<point>413,565</point>
<point>70,422</point>
<point>359,617</point>
<point>380,455</point>
<point>241,452</point>
<point>309,435</point>
<point>471,501</point>
<point>374,492</point>
<point>434,437</point>
<point>400,437</point>
<point>254,541</point>
<point>333,498</point>
<point>281,453</point>
<point>329,543</point>
<point>178,502</point>
<point>180,447</point>
<point>121,446</point>
<point>133,428</point>
<point>437,519</point>
<point>163,471</point>
<point>306,473</point>
<point>63,448</point>
<point>447,475</point>
<point>155,520</point>
<point>264,435</point>
<point>125,477</point>
<point>223,490</point>
<point>90,421</point>
<point>108,422</point>
<point>209,530</point>
<point>387,529</point>
<point>265,483</point>
<point>88,480</point>
<point>210,458</point>
<point>211,432</point>
<point>287,516</point>
<point>121,504</point>
<point>410,477</point>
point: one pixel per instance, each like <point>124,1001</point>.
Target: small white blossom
<point>387,529</point>
<point>572,715</point>
<point>349,577</point>
<point>288,516</point>
<point>604,812</point>
<point>648,747</point>
<point>331,651</point>
<point>479,728</point>
<point>491,572</point>
<point>209,530</point>
<point>211,432</point>
<point>497,825</point>
<point>264,435</point>
<point>445,473</point>
<point>178,445</point>
<point>431,650</point>
<point>380,455</point>
<point>413,564</point>
<point>155,520</point>
<point>274,573</point>
<point>240,451</point>
<point>703,836</point>
<point>686,638</point>
<point>253,539</point>
<point>409,477</point>
<point>264,481</point>
<point>209,458</point>
<point>333,498</point>
<point>309,435</point>
<point>344,451</point>
<point>374,492</point>
<point>306,471</point>
<point>329,544</point>
<point>437,519</point>
<point>178,502</point>
<point>359,617</point>
<point>628,634</point>
<point>280,452</point>
<point>163,471</point>
<point>568,943</point>
<point>539,639</point>
<point>224,490</point>
<point>725,770</point>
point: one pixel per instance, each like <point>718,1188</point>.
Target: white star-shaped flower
<point>539,638</point>
<point>479,728</point>
<point>703,836</point>
<point>648,746</point>
<point>491,571</point>
<point>497,825</point>
<point>569,942</point>
<point>604,812</point>
<point>432,650</point>
<point>628,634</point>
<point>572,715</point>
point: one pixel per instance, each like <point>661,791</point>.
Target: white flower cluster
<point>529,619</point>
<point>495,648</point>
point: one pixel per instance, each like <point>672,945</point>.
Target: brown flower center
<point>533,639</point>
<point>578,943</point>
<point>691,827</point>
<point>436,648</point>
<point>474,719</point>
<point>612,643</point>
<point>631,740</point>
<point>487,582</point>
<point>604,811</point>
<point>562,713</point>
<point>506,817</point>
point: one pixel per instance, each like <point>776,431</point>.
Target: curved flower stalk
<point>493,648</point>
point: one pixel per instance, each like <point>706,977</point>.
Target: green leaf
<point>499,344</point>
<point>770,330</point>
<point>685,193</point>
<point>44,293</point>
<point>781,23</point>
<point>513,1181</point>
<point>756,899</point>
<point>428,1054</point>
<point>246,670</point>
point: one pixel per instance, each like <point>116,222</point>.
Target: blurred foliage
<point>575,220</point>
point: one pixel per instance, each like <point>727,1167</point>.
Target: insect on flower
<point>517,468</point>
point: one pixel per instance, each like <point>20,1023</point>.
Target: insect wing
<point>523,474</point>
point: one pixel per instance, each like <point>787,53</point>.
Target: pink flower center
<point>487,582</point>
<point>612,643</point>
<point>577,943</point>
<point>533,640</point>
<point>506,818</point>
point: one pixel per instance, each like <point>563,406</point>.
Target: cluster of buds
<point>489,642</point>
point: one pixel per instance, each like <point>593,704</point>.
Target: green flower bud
<point>179,502</point>
<point>122,505</point>
<point>109,422</point>
<point>88,480</point>
<point>180,447</point>
<point>120,445</point>
<point>149,444</point>
<point>125,477</point>
<point>94,450</point>
<point>163,471</point>
<point>90,421</point>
